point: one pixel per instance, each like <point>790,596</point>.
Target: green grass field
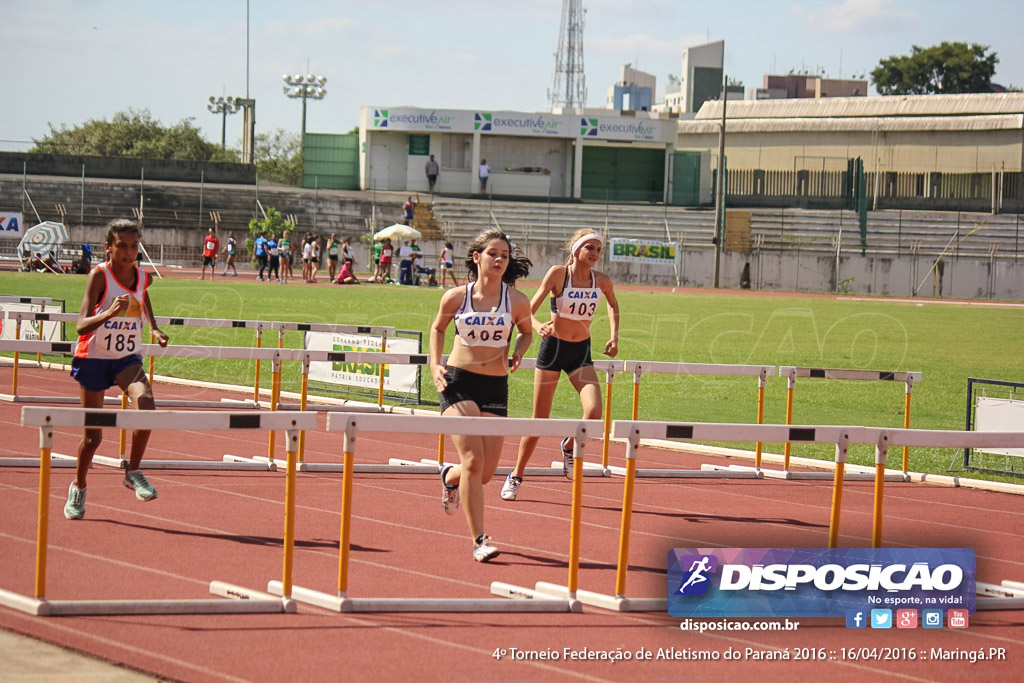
<point>948,343</point>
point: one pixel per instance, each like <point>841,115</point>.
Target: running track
<point>228,526</point>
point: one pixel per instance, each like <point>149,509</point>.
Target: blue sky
<point>71,60</point>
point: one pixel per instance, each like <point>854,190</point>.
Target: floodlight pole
<point>720,189</point>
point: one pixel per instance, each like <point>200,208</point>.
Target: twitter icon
<point>881,618</point>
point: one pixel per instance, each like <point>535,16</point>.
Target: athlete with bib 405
<point>110,321</point>
<point>576,290</point>
<point>474,381</point>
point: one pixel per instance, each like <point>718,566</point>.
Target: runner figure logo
<point>696,581</point>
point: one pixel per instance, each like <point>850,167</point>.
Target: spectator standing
<point>333,249</point>
<point>431,170</point>
<point>211,245</point>
<point>229,249</point>
<point>485,172</point>
<point>409,210</point>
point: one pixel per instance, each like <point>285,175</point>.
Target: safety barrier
<point>245,601</point>
<point>523,599</point>
<point>881,438</point>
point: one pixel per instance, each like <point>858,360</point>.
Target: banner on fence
<point>11,226</point>
<point>398,378</point>
<point>31,330</point>
<point>644,251</point>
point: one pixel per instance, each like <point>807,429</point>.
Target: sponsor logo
<point>380,118</point>
<point>482,121</point>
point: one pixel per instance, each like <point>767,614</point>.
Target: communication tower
<point>569,88</point>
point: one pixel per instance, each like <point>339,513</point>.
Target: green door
<point>622,174</point>
<point>331,161</point>
<point>686,178</point>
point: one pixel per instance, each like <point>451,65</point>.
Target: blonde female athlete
<point>576,290</point>
<point>474,382</point>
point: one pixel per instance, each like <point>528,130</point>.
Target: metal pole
<point>719,193</point>
<point>202,178</point>
<point>223,127</point>
<point>81,213</point>
<point>24,186</point>
<point>316,197</point>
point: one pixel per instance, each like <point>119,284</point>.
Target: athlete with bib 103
<point>576,290</point>
<point>474,382</point>
<point>110,321</point>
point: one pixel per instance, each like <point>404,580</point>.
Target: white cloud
<point>858,14</point>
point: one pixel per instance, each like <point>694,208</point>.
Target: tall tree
<point>946,69</point>
<point>132,134</point>
<point>278,157</point>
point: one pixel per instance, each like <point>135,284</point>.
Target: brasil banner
<point>644,251</point>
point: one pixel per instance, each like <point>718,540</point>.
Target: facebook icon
<point>856,618</point>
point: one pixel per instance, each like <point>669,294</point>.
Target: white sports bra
<point>576,303</point>
<point>491,328</point>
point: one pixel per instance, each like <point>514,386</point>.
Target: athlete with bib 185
<point>474,382</point>
<point>576,290</point>
<point>114,308</point>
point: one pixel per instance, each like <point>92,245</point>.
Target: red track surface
<point>229,525</point>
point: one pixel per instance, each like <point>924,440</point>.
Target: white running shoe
<point>449,494</point>
<point>567,459</point>
<point>484,551</point>
<point>511,487</point>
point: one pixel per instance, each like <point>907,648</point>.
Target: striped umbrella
<point>44,238</point>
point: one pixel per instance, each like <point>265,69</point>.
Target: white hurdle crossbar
<point>244,600</point>
<point>761,372</point>
<point>881,438</point>
<point>791,373</point>
<point>523,599</point>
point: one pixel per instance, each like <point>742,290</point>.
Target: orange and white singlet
<point>121,336</point>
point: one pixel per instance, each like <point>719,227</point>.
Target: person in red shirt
<point>211,245</point>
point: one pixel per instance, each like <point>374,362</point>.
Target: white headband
<point>586,238</point>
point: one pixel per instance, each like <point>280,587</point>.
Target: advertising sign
<point>11,226</point>
<point>643,251</point>
<point>398,378</point>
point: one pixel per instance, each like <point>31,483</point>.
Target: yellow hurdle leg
<point>607,418</point>
<point>906,422</point>
<point>14,381</point>
<point>837,491</point>
<point>256,379</point>
<point>122,435</point>
<point>346,507</point>
<point>380,385</point>
<point>577,505</point>
<point>43,521</point>
<point>789,421</point>
<point>440,449</point>
<point>636,394</point>
<point>275,396</point>
<point>760,419</point>
<point>627,516</point>
<point>881,451</point>
<point>291,447</point>
<point>303,399</point>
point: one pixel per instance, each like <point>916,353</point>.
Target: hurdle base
<point>589,470</point>
<point>345,604</point>
<point>56,460</point>
<point>404,467</point>
<point>610,602</point>
<point>241,601</point>
<point>890,475</point>
<point>257,463</point>
<point>686,474</point>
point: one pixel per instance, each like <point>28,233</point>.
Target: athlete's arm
<point>161,338</point>
<point>450,303</point>
<point>524,326</point>
<point>93,294</point>
<point>611,349</point>
<point>547,287</point>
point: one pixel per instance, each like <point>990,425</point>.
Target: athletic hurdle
<point>761,372</point>
<point>524,599</point>
<point>369,357</point>
<point>555,470</point>
<point>881,438</point>
<point>244,600</point>
<point>792,373</point>
<point>1007,595</point>
<point>25,301</point>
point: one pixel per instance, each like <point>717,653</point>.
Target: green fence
<point>331,161</point>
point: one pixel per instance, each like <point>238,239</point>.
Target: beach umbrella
<point>397,231</point>
<point>44,238</point>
